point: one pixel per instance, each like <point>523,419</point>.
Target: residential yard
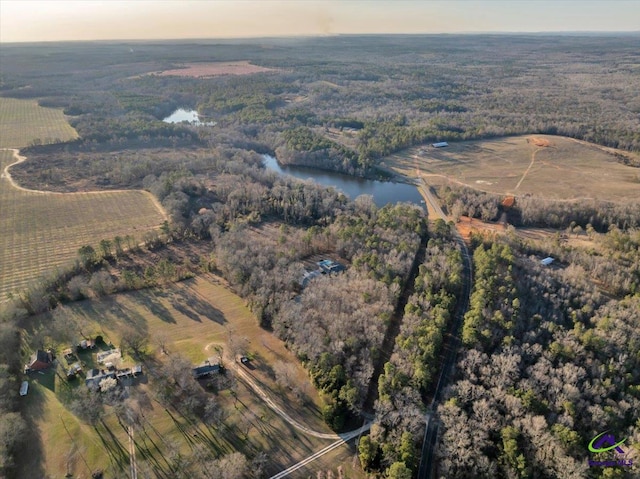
<point>198,319</point>
<point>543,165</point>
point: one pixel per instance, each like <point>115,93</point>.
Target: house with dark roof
<point>39,360</point>
<point>328,266</point>
<point>205,370</point>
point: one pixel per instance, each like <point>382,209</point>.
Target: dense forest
<point>550,360</point>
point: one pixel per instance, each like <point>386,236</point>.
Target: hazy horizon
<point>36,21</point>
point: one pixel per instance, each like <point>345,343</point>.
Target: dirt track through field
<point>42,230</point>
<point>524,175</point>
<point>19,159</point>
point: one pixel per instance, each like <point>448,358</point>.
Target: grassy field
<point>23,122</point>
<point>197,317</point>
<point>40,230</point>
<point>549,166</point>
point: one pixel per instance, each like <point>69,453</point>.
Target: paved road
<point>451,344</point>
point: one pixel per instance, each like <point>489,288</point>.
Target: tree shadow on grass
<point>150,299</point>
<point>188,299</point>
<point>118,456</point>
<point>30,458</point>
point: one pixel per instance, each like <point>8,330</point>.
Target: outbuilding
<point>39,360</point>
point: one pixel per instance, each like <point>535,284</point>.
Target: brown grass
<point>197,316</point>
<point>206,70</point>
<point>565,169</point>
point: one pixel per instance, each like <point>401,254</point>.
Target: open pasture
<point>42,230</point>
<point>550,166</point>
<point>197,319</point>
<point>24,123</point>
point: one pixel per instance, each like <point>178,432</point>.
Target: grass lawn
<point>197,318</point>
<point>543,165</point>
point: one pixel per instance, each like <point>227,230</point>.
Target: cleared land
<point>24,123</point>
<point>199,317</point>
<point>549,166</point>
<point>42,230</point>
<point>204,70</point>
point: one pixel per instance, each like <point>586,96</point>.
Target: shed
<point>547,261</point>
<point>73,371</point>
<point>441,144</point>
<point>24,388</point>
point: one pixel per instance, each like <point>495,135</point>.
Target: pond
<point>190,116</point>
<point>383,192</point>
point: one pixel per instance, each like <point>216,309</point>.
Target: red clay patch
<point>539,141</point>
<point>205,70</point>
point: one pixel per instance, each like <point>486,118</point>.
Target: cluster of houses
<point>326,266</point>
<point>41,360</point>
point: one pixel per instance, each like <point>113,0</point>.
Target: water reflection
<point>190,116</point>
<point>383,192</point>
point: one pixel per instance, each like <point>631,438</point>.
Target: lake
<point>383,192</point>
<point>190,116</point>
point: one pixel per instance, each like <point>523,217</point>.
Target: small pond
<point>190,116</point>
<point>383,192</point>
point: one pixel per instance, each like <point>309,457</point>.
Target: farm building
<point>39,360</point>
<point>547,261</point>
<point>441,144</point>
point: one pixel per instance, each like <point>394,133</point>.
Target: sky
<point>56,20</point>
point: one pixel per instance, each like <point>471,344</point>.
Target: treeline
<point>394,442</point>
<point>549,363</point>
<point>541,212</point>
<point>13,427</point>
<point>304,147</point>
